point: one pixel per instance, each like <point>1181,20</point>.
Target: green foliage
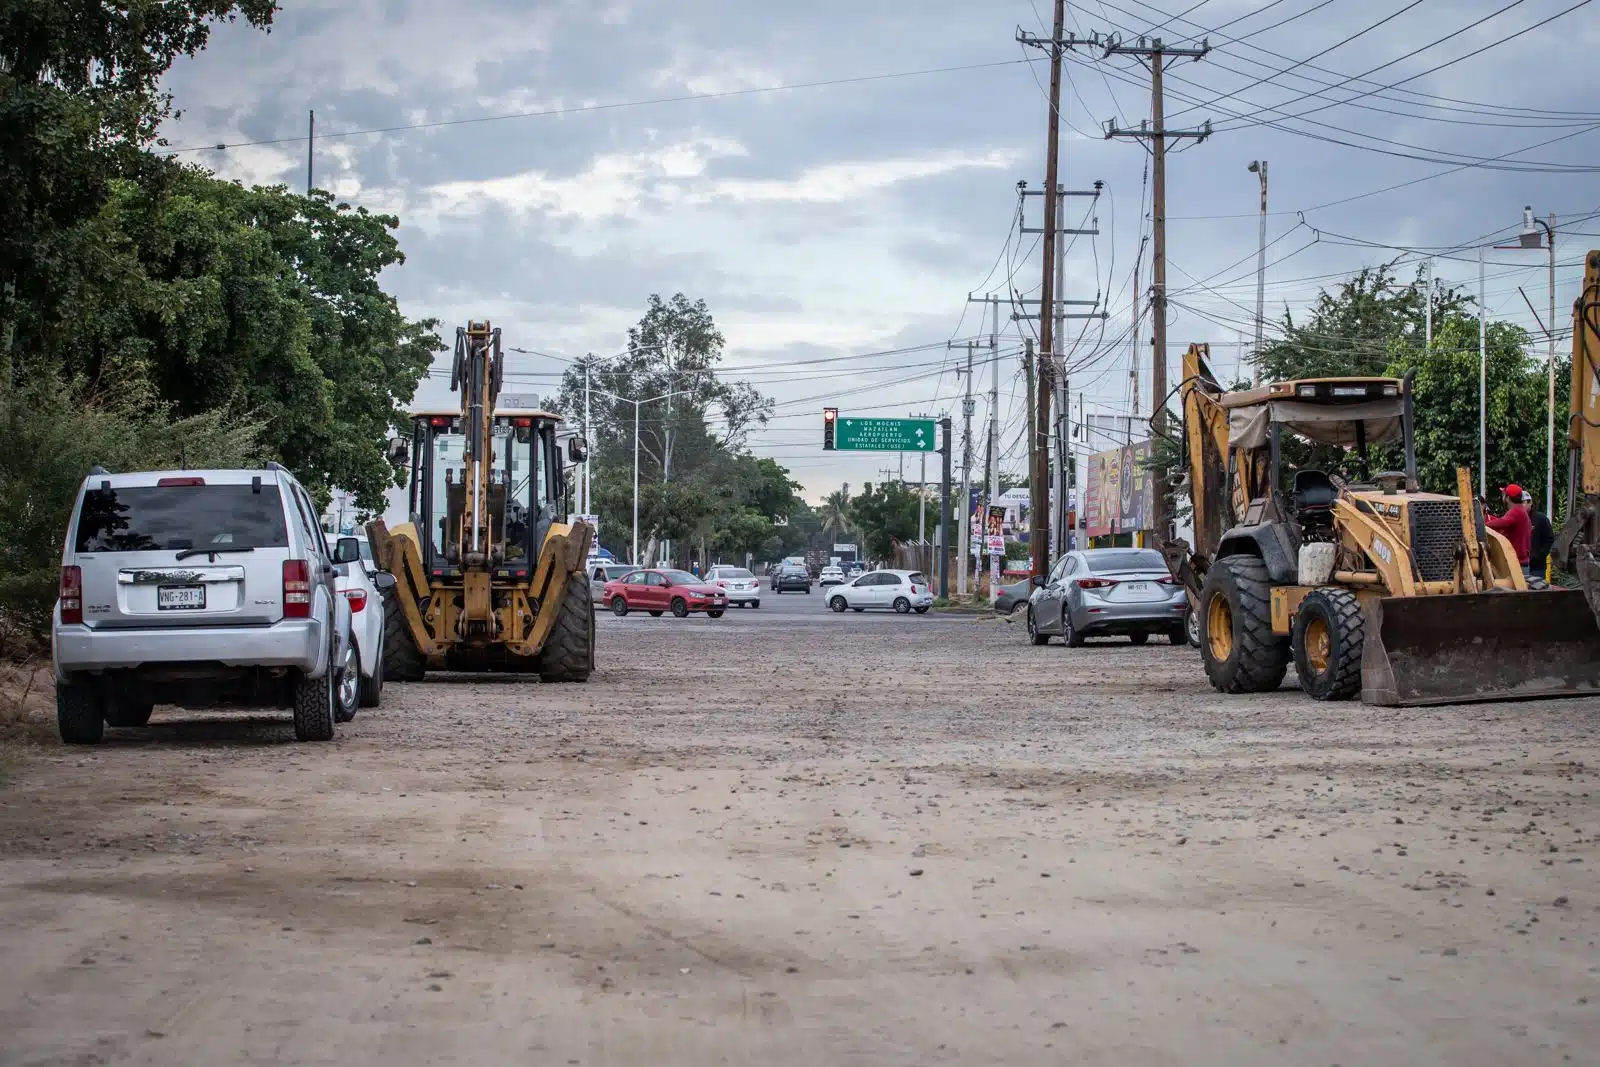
<point>55,431</point>
<point>885,514</point>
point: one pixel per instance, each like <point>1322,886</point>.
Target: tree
<point>885,514</point>
<point>835,515</point>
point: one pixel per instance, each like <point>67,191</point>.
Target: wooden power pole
<point>1156,56</point>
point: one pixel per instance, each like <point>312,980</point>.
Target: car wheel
<point>1139,639</point>
<point>755,603</point>
<point>921,610</point>
<point>838,604</point>
<point>372,688</point>
<point>656,614</point>
<point>315,703</point>
<point>715,613</point>
<point>1033,630</point>
<point>902,606</point>
<point>1191,627</point>
<point>349,685</point>
<point>858,609</point>
<point>619,607</point>
<point>680,607</point>
<point>80,712</point>
<point>1069,633</point>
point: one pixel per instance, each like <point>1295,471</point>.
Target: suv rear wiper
<point>214,550</point>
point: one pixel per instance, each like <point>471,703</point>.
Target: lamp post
<point>588,429</point>
<point>1531,238</point>
<point>637,404</point>
<point>1259,167</point>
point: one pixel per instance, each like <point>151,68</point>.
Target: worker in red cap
<point>1515,524</point>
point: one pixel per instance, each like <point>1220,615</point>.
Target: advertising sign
<point>995,531</point>
<point>1119,494</point>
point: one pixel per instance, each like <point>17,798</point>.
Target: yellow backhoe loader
<point>487,577</point>
<point>1577,547</point>
<point>1365,583</point>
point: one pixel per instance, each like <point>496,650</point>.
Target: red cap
<point>1514,491</point>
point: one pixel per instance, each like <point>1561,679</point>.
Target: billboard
<point>1118,493</point>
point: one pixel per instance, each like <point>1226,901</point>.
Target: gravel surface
<point>786,837</point>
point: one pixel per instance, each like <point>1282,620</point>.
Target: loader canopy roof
<point>1325,410</point>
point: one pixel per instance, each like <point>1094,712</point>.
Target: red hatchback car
<point>661,591</point>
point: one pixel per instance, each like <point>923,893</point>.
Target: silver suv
<point>204,589</point>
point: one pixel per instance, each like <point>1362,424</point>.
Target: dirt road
<point>815,840</point>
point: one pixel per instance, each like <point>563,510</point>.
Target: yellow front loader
<point>488,577</point>
<point>1365,583</point>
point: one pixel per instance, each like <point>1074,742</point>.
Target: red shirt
<point>1518,529</point>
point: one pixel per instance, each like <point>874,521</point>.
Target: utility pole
<point>1133,339</point>
<point>967,406</point>
<point>1152,50</point>
<point>311,151</point>
<point>1039,397</point>
<point>1428,309</point>
<point>992,462</point>
<point>944,510</point>
<point>1259,167</point>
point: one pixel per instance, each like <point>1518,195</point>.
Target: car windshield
<point>680,578</point>
<point>1133,559</point>
<point>153,518</point>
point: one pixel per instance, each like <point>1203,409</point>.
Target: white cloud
<point>834,183</point>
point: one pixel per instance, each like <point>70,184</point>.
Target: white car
<point>741,586</point>
<point>900,591</point>
<point>363,588</point>
<point>830,576</point>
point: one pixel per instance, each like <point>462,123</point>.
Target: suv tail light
<point>357,598</point>
<point>71,594</point>
<point>1096,583</point>
<point>296,589</point>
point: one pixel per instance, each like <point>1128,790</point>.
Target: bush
<point>54,432</point>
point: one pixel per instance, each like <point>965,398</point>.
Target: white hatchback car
<point>901,591</point>
<point>363,589</point>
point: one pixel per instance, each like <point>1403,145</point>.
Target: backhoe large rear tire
<point>402,662</point>
<point>1240,651</point>
<point>568,654</point>
<point>1329,632</point>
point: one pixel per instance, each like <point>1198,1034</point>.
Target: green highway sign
<point>884,435</point>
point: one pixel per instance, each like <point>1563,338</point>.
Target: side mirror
<point>1038,581</point>
<point>397,451</point>
<point>347,550</point>
<point>384,581</point>
<point>577,449</point>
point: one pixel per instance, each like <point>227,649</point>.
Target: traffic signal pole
<point>944,512</point>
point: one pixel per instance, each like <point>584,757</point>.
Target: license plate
<point>1138,587</point>
<point>180,597</point>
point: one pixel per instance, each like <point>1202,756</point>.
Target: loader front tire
<point>568,653</point>
<point>402,662</point>
<point>1329,632</point>
<point>1241,653</point>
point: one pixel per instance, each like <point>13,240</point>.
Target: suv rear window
<point>155,518</point>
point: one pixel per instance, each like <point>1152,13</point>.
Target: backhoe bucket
<point>1464,648</point>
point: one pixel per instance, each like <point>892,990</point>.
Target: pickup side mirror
<point>347,550</point>
<point>577,449</point>
<point>398,452</point>
<point>1038,581</point>
<point>384,581</point>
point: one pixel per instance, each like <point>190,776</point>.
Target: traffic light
<point>829,417</point>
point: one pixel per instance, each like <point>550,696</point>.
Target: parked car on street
<point>899,591</point>
<point>830,575</point>
<point>1013,596</point>
<point>204,589</point>
<point>364,589</point>
<point>1099,592</point>
<point>659,591</point>
<point>600,573</point>
<point>741,586</point>
<point>791,576</point>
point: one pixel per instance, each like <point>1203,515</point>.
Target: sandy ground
<point>815,840</point>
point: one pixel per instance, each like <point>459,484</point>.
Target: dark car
<point>1013,596</point>
<point>791,576</point>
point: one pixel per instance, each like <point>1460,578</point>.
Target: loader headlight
<point>1349,390</point>
<point>1391,390</point>
<point>1307,391</point>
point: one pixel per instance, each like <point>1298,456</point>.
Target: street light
<point>637,404</point>
<point>1259,167</point>
<point>1530,238</point>
<point>588,429</point>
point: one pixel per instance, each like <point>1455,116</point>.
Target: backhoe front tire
<point>402,662</point>
<point>1240,651</point>
<point>568,653</point>
<point>1329,632</point>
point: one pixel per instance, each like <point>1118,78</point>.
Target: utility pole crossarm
<point>1144,131</point>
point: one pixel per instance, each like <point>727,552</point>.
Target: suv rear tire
<point>315,704</point>
<point>80,713</point>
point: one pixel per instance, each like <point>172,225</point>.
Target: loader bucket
<point>1463,648</point>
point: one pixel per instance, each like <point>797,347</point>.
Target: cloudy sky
<point>566,158</point>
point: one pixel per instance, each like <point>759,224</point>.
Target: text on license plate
<point>180,597</point>
<point>1138,587</point>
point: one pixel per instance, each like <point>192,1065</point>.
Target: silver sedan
<point>1099,592</point>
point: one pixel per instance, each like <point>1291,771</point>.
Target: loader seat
<point>1314,494</point>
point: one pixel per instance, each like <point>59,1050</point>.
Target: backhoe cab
<point>1367,584</point>
<point>487,576</point>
